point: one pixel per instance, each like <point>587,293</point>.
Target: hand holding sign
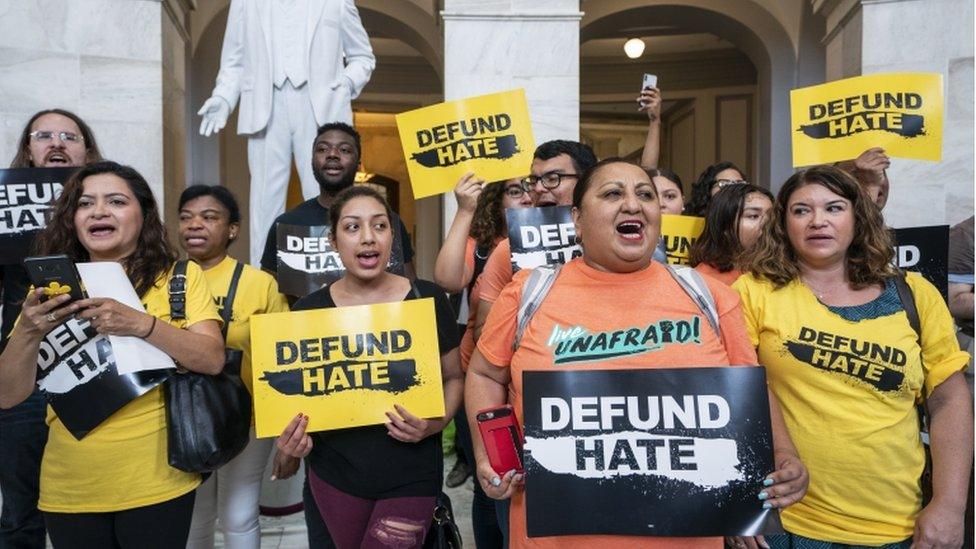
<point>498,487</point>
<point>467,191</point>
<point>787,484</point>
<point>407,427</point>
<point>294,441</point>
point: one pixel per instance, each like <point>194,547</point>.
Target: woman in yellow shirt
<point>114,487</point>
<point>823,306</point>
<point>210,220</point>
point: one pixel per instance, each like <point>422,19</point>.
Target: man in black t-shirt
<point>335,158</point>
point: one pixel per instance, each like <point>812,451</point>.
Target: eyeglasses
<point>515,191</point>
<point>549,180</point>
<point>729,182</point>
<point>45,136</point>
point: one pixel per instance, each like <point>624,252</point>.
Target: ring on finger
<point>51,317</point>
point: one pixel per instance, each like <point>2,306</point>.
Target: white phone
<point>650,81</point>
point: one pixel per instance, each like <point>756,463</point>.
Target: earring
<point>578,240</point>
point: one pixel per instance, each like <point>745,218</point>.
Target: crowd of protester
<point>849,457</point>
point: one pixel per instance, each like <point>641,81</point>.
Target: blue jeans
<point>23,435</point>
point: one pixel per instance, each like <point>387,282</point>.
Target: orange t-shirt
<point>727,278</point>
<point>497,273</point>
<point>598,301</point>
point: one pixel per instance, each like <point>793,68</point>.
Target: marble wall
<point>875,36</point>
<point>497,45</point>
<point>102,59</point>
<point>928,36</point>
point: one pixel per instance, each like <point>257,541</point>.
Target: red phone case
<point>502,438</point>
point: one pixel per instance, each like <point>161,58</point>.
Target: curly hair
<point>153,255</point>
<point>869,256</point>
<point>23,159</point>
<point>719,244</point>
<point>701,190</point>
<point>489,223</point>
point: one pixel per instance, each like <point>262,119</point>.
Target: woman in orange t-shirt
<point>617,217</point>
<point>733,222</point>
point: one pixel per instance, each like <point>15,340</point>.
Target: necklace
<point>820,293</point>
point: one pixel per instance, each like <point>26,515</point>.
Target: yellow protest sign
<point>490,135</point>
<point>345,366</point>
<point>900,112</point>
<point>679,232</point>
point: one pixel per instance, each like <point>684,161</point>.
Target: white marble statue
<point>284,60</point>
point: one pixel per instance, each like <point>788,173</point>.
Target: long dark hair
<point>153,255</point>
<point>869,256</point>
<point>489,221</point>
<point>719,244</point>
<point>23,160</point>
<point>701,190</point>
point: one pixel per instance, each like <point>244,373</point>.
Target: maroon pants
<point>353,522</point>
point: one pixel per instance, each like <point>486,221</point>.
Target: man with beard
<point>335,157</point>
<point>52,138</point>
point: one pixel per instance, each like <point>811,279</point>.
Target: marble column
<point>876,36</point>
<point>117,64</point>
<point>496,45</point>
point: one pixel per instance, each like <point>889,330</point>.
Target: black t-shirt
<point>366,462</point>
<point>311,213</point>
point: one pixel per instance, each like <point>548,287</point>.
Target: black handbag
<point>208,417</point>
<point>443,532</point>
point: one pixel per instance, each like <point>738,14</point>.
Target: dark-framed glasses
<point>45,136</point>
<point>549,180</point>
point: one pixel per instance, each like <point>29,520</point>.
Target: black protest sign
<point>659,452</point>
<point>26,198</point>
<point>924,250</point>
<point>541,236</point>
<point>307,261</point>
<point>77,372</point>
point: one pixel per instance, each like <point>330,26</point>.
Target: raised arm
<point>450,269</point>
<point>650,101</point>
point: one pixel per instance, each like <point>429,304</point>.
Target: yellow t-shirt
<point>122,463</point>
<point>257,293</point>
<point>848,391</point>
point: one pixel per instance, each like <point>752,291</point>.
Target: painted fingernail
<point>763,495</point>
<point>495,481</point>
<point>767,505</point>
<point>273,478</point>
<point>768,482</point>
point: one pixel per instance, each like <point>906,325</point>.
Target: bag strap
<point>177,291</point>
<point>908,303</point>
<point>228,311</point>
<point>414,291</point>
<point>694,285</point>
<point>534,291</point>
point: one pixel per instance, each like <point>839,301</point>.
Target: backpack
<point>540,281</point>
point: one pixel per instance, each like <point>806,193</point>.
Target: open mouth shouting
<point>369,259</point>
<point>57,158</point>
<point>631,230</point>
<point>101,230</point>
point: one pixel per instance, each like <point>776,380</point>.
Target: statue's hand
<point>214,112</point>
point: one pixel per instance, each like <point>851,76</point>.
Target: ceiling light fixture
<point>634,48</point>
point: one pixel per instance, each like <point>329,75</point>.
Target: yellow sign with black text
<point>490,135</point>
<point>679,232</point>
<point>345,366</point>
<point>899,112</point>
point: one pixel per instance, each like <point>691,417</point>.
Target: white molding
<point>511,16</point>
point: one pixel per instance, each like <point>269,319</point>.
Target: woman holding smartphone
<point>376,486</point>
<point>114,487</point>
